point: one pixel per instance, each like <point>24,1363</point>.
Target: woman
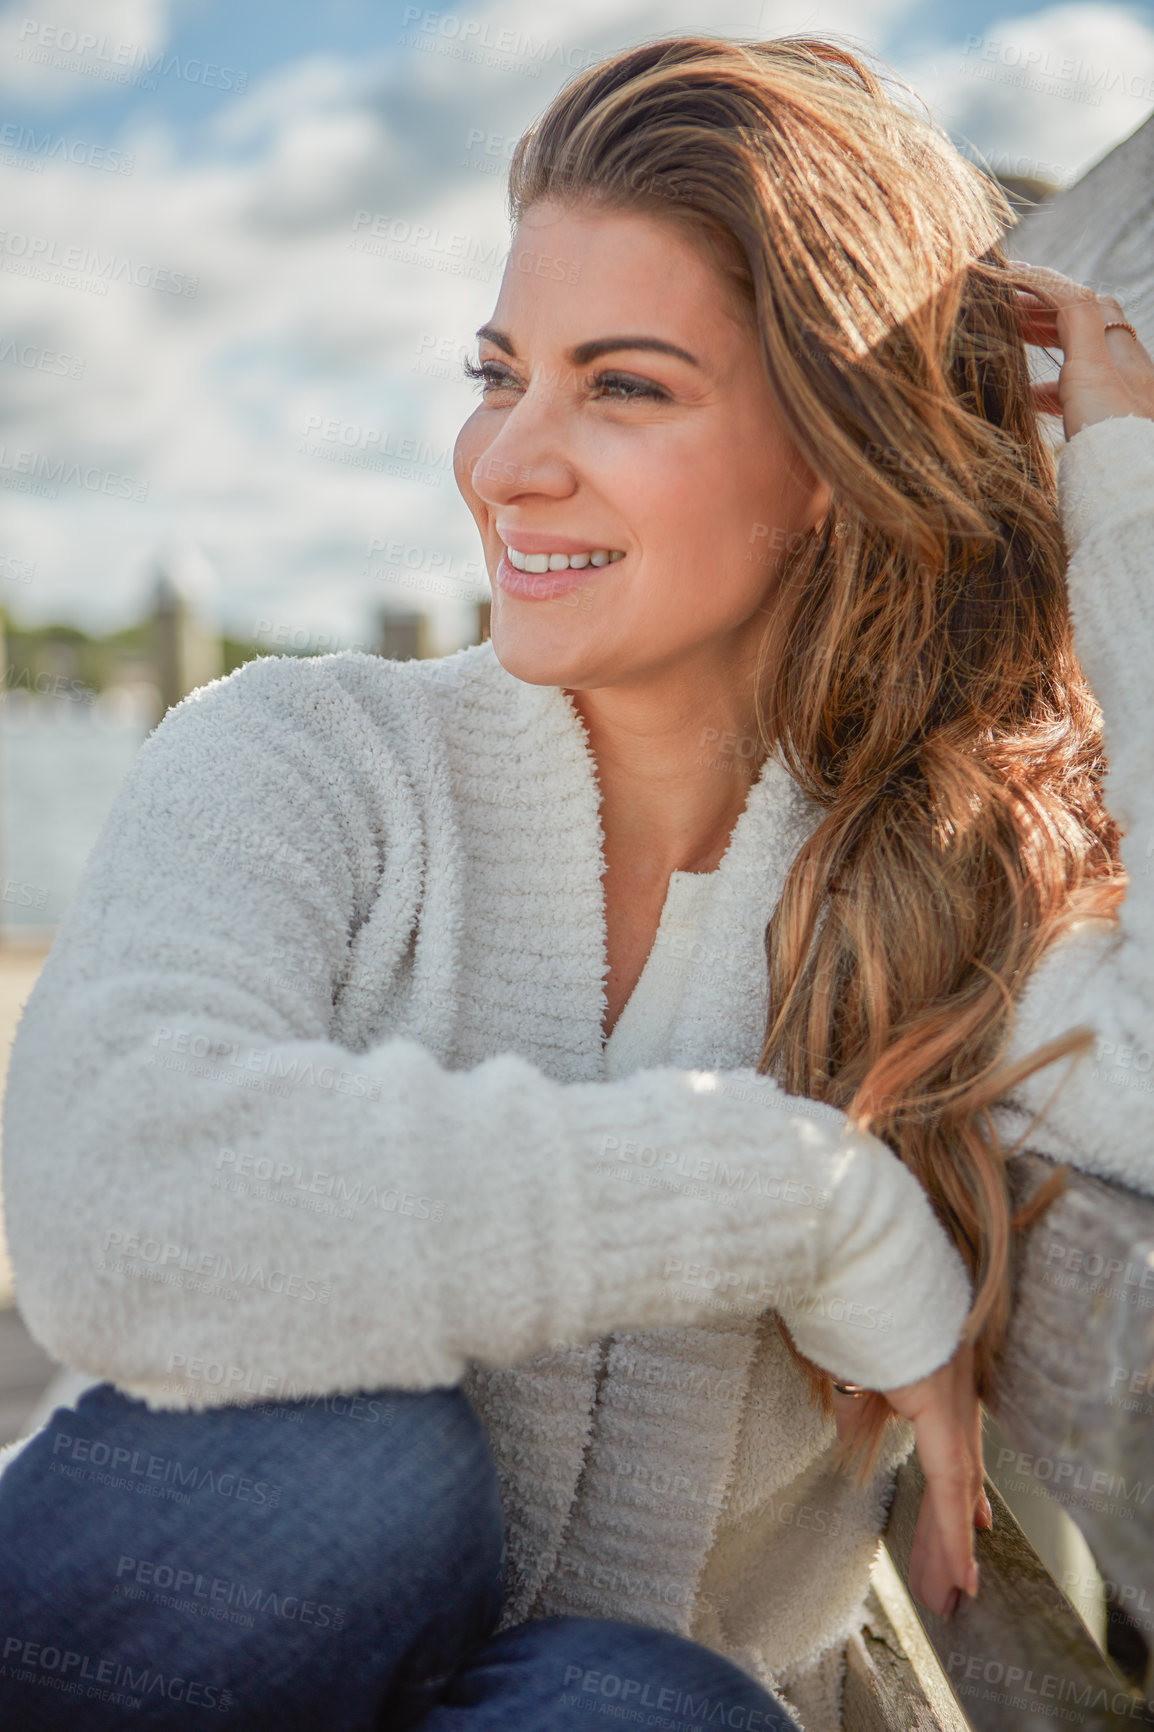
<point>509,1298</point>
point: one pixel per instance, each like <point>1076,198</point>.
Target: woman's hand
<point>1104,373</point>
<point>943,1409</point>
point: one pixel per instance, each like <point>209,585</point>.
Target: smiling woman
<point>545,1075</point>
<point>674,459</point>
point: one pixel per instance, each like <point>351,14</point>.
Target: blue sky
<point>252,379</point>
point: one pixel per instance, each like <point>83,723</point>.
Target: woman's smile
<point>540,567</point>
<point>629,412</point>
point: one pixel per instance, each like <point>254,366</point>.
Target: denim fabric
<point>328,1565</point>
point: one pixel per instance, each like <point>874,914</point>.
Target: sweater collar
<point>557,767</point>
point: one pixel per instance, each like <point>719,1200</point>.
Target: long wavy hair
<point>917,673</point>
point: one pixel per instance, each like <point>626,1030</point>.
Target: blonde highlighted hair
<point>918,674</point>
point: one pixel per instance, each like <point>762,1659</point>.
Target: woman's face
<point>677,460</point>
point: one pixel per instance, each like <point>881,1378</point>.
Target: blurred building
<point>403,637</point>
<point>184,640</point>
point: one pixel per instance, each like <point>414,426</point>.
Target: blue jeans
<point>335,1564</point>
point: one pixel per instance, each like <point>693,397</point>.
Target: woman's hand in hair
<point>943,1409</point>
<point>1104,373</point>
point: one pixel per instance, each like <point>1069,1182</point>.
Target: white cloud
<point>1048,92</point>
<point>208,397</point>
<point>54,50</point>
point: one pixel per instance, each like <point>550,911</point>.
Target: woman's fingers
<point>948,1464</point>
<point>971,1414</point>
<point>1040,327</point>
<point>1104,373</point>
<point>944,1411</point>
<point>1046,398</point>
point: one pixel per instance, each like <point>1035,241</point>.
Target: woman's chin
<point>542,651</point>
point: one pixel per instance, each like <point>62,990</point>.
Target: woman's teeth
<point>562,561</point>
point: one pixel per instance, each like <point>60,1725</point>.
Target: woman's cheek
<point>466,449</point>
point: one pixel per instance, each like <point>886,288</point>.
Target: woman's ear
<point>821,501</point>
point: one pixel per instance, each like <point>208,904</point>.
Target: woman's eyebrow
<point>582,353</point>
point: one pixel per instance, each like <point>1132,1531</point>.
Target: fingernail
<point>972,1580</point>
<point>953,1602</point>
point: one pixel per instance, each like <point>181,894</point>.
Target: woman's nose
<point>527,454</point>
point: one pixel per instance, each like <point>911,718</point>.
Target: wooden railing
<point>1075,1398</point>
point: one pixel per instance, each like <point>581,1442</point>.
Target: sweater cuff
<point>806,1216</point>
<point>881,1346</point>
<point>1101,469</point>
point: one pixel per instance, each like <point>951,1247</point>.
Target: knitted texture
<point>310,1095</point>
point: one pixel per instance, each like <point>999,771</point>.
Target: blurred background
<point>243,252</point>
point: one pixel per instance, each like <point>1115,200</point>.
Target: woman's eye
<point>484,372</point>
<point>619,386</point>
<point>631,387</point>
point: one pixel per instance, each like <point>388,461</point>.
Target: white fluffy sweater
<point>311,1096</point>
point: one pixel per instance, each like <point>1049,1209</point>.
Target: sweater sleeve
<point>1101,974</point>
<point>210,1198</point>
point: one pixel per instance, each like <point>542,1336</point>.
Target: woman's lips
<point>544,585</point>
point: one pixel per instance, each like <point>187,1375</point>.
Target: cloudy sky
<point>245,246</point>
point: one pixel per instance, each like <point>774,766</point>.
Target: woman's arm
<point>1105,394</point>
<point>178,1040</point>
<point>1098,974</point>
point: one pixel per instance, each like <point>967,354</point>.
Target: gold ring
<point>1121,325</point>
<point>848,1388</point>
